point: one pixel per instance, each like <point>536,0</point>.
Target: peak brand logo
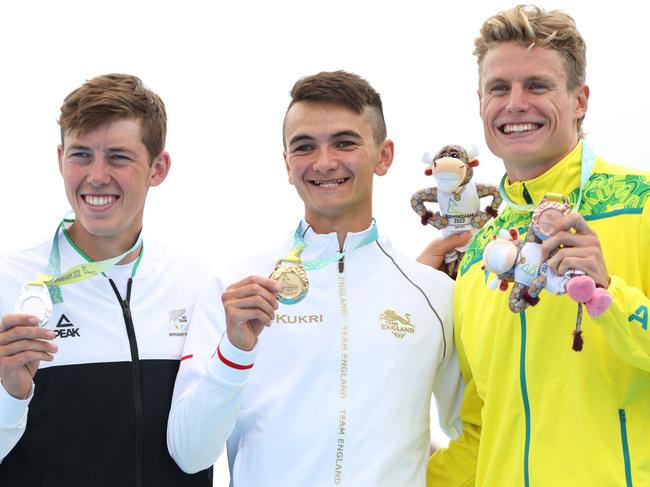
<point>398,325</point>
<point>178,322</point>
<point>65,328</point>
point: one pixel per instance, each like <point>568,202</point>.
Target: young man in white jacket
<point>337,390</point>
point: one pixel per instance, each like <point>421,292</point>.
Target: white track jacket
<point>337,390</point>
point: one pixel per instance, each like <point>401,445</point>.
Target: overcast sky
<point>224,71</point>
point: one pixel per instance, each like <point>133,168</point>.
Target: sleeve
<point>448,383</point>
<point>625,323</point>
<point>13,420</point>
<point>456,465</point>
<point>13,413</point>
<point>207,394</point>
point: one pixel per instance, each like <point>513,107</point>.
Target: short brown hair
<point>342,88</point>
<point>111,97</point>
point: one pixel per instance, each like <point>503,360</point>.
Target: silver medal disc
<point>35,300</point>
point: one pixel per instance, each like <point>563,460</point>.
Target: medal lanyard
<point>587,162</point>
<point>54,278</point>
<point>299,245</point>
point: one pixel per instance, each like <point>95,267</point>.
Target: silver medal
<point>35,300</point>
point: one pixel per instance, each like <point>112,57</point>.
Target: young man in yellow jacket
<point>536,412</point>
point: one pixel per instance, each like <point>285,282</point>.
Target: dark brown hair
<point>345,89</point>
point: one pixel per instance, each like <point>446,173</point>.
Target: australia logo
<point>178,323</point>
<point>396,324</point>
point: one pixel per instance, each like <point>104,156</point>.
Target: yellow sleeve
<point>626,322</point>
<point>456,465</point>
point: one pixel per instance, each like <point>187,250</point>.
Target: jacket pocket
<point>626,451</point>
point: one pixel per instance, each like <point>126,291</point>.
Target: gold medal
<point>293,279</point>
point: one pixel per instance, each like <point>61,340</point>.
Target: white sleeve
<point>448,390</point>
<point>449,386</point>
<point>13,420</point>
<point>13,413</point>
<point>212,376</point>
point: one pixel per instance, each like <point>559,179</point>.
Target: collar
<point>71,255</point>
<point>319,244</point>
<point>563,178</point>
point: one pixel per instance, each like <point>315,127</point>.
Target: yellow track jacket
<point>536,413</point>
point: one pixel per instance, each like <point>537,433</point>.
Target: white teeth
<point>98,200</point>
<point>520,127</point>
<point>329,184</point>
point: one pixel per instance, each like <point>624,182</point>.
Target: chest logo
<point>298,319</point>
<point>178,323</point>
<point>398,325</point>
<point>65,328</point>
<point>640,315</point>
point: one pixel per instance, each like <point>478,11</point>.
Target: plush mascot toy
<point>520,262</point>
<point>457,196</point>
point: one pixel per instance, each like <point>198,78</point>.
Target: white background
<point>224,71</point>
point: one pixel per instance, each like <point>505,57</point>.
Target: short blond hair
<point>530,25</point>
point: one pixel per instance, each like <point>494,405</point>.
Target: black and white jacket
<point>98,413</point>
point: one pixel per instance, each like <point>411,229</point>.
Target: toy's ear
<point>473,162</point>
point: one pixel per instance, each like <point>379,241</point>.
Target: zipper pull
<point>527,197</point>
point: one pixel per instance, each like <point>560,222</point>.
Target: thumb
<point>433,255</point>
<point>454,240</point>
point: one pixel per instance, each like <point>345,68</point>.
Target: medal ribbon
<point>54,278</point>
<point>299,245</point>
<point>587,161</point>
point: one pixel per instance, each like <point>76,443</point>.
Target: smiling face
<point>107,173</point>
<point>529,115</point>
<point>331,158</point>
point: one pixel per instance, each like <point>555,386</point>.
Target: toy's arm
<point>484,190</point>
<point>428,195</point>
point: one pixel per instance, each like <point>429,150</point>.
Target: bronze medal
<point>293,279</point>
<point>546,214</point>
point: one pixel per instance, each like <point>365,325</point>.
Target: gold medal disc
<point>293,279</point>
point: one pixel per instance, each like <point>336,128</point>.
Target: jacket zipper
<point>135,369</point>
<point>524,396</point>
<point>626,451</point>
<point>527,198</point>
